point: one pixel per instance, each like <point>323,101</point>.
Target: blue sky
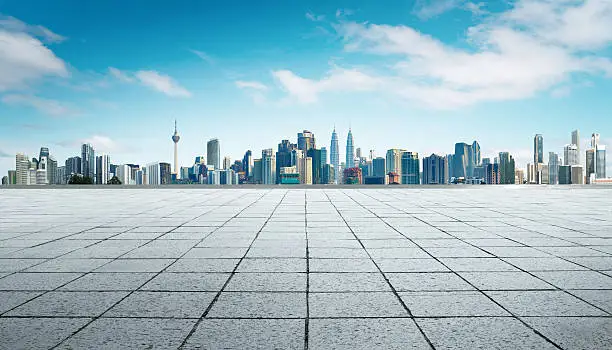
<point>420,75</point>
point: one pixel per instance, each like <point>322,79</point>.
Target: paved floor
<point>474,268</point>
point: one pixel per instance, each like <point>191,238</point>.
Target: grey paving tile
<point>69,304</point>
<point>348,282</point>
<point>131,333</point>
<point>357,304</point>
<point>163,304</point>
<point>575,332</point>
<point>337,253</point>
<point>341,265</point>
<point>36,281</point>
<point>360,333</point>
<point>599,298</point>
<point>575,279</point>
<point>444,304</point>
<point>108,281</point>
<point>272,265</point>
<point>9,300</point>
<point>268,282</point>
<point>217,252</point>
<point>477,264</point>
<point>410,265</point>
<point>251,333</point>
<point>435,281</point>
<point>36,333</point>
<point>397,253</point>
<point>203,265</point>
<point>136,265</point>
<point>187,282</point>
<point>543,264</point>
<point>14,265</point>
<point>69,265</point>
<point>504,281</point>
<point>259,305</point>
<point>481,333</point>
<point>543,303</point>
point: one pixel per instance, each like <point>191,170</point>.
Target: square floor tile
<point>358,304</point>
<point>348,282</point>
<point>435,281</point>
<point>69,304</point>
<point>544,303</point>
<point>163,304</point>
<point>445,304</point>
<point>267,282</point>
<point>259,305</point>
<point>504,281</point>
<point>37,333</point>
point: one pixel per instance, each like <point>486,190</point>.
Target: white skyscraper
<point>213,153</point>
<point>570,155</point>
<point>576,141</point>
<point>268,167</point>
<point>334,155</point>
<point>22,169</point>
<point>350,150</point>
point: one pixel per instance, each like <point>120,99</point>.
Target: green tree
<point>78,179</point>
<point>114,181</point>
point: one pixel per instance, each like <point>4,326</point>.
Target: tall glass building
<point>435,170</point>
<point>306,141</point>
<point>463,160</point>
<point>334,155</point>
<point>538,149</point>
<point>411,169</point>
<point>350,151</point>
<point>268,167</point>
<point>213,153</point>
<point>88,161</point>
<point>553,168</point>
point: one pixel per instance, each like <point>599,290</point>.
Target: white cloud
<point>47,106</point>
<point>23,57</point>
<point>204,56</point>
<point>101,143</point>
<point>315,18</point>
<point>120,75</point>
<point>242,84</point>
<point>511,57</point>
<point>162,83</point>
<point>152,79</point>
<point>427,9</point>
<point>12,24</point>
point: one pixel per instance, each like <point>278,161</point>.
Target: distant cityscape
<point>305,163</point>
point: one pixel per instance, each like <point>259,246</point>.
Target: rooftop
<point>487,267</point>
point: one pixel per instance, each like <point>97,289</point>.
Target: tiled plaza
<point>339,268</point>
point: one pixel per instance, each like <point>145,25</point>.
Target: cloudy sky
<point>420,75</point>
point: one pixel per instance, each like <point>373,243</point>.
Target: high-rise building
<point>553,168</point>
<point>576,141</point>
<point>124,174</point>
<point>565,174</point>
<point>358,153</point>
<point>492,174</point>
<point>247,164</point>
<point>227,162</point>
<point>328,176</point>
<point>41,172</point>
<point>213,153</point>
<point>88,161</point>
<point>475,154</point>
<point>317,169</point>
<point>394,160</point>
<point>411,169</point>
<point>268,167</point>
<point>571,155</point>
<point>175,138</point>
<point>600,162</point>
<point>538,149</point>
<point>435,170</point>
<point>306,141</point>
<point>22,169</point>
<point>306,170</point>
<point>165,173</point>
<point>350,150</point>
<point>379,167</point>
<point>73,166</point>
<point>44,152</point>
<point>12,177</point>
<point>507,175</point>
<point>51,170</point>
<point>531,173</point>
<point>257,171</point>
<point>323,156</point>
<point>577,175</point>
<point>102,169</point>
<point>352,176</point>
<point>519,176</point>
<point>335,155</point>
<point>463,161</point>
<point>590,164</point>
<point>283,156</point>
<point>158,173</point>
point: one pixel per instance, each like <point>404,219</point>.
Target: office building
<point>411,169</point>
<point>565,174</point>
<point>213,153</point>
<point>22,169</point>
<point>283,156</point>
<point>435,170</point>
<point>394,160</point>
<point>73,167</point>
<point>323,156</point>
<point>328,175</point>
<point>571,155</point>
<point>538,149</point>
<point>51,169</point>
<point>157,173</point>
<point>124,174</point>
<point>12,177</point>
<point>268,167</point>
<point>576,141</point>
<point>507,175</point>
<point>247,164</point>
<point>590,165</point>
<point>334,154</point>
<point>475,154</point>
<point>227,163</point>
<point>88,161</point>
<point>350,151</point>
<point>102,169</point>
<point>305,170</point>
<point>577,175</point>
<point>600,162</point>
<point>379,167</point>
<point>553,168</point>
<point>519,176</point>
<point>289,176</point>
<point>463,161</point>
<point>257,171</point>
<point>492,174</point>
<point>306,141</point>
<point>317,169</point>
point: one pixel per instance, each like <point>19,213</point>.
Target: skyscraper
<point>553,168</point>
<point>394,160</point>
<point>379,167</point>
<point>283,157</point>
<point>475,154</point>
<point>435,170</point>
<point>317,169</point>
<point>323,156</point>
<point>600,161</point>
<point>227,163</point>
<point>507,171</point>
<point>247,164</point>
<point>103,169</point>
<point>22,168</point>
<point>411,170</point>
<point>335,155</point>
<point>51,170</point>
<point>463,160</point>
<point>73,166</point>
<point>268,167</point>
<point>570,155</point>
<point>88,161</point>
<point>538,149</point>
<point>576,141</point>
<point>350,151</point>
<point>306,141</point>
<point>175,139</point>
<point>213,153</point>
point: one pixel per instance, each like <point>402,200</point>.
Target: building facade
<point>334,155</point>
<point>350,150</point>
<point>411,169</point>
<point>435,170</point>
<point>213,153</point>
<point>88,161</point>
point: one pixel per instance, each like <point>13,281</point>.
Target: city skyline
<point>120,91</point>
